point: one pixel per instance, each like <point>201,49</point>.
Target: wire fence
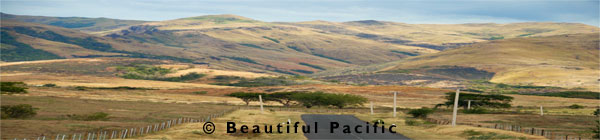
<point>126,133</point>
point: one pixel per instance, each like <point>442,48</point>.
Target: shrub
<point>18,111</point>
<point>380,121</point>
<point>576,106</point>
<point>411,122</point>
<point>471,132</point>
<point>493,136</point>
<point>476,110</point>
<point>420,113</point>
<point>98,116</point>
<point>574,94</point>
<point>226,78</point>
<point>12,87</point>
<point>197,132</point>
<point>49,85</point>
<point>200,92</point>
<point>262,81</point>
<point>80,88</point>
<point>597,112</point>
<point>343,100</point>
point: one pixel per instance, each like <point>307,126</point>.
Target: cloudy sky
<point>408,11</point>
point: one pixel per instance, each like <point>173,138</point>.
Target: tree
<point>343,100</point>
<point>18,111</point>
<point>489,100</point>
<point>247,97</point>
<point>309,99</point>
<point>284,98</point>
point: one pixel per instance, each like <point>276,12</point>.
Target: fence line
<point>516,128</point>
<point>131,132</point>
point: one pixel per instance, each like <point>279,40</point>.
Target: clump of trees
<point>247,97</point>
<point>258,82</point>
<point>18,111</point>
<point>306,99</point>
<point>478,100</point>
<point>12,87</point>
<point>149,72</point>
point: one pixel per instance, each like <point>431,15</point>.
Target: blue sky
<point>408,11</point>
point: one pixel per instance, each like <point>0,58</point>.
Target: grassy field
<point>52,116</point>
<point>423,130</point>
<point>251,117</point>
<point>247,117</point>
<point>574,125</point>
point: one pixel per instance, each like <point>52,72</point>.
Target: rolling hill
<point>244,44</point>
<point>569,61</point>
<point>79,23</point>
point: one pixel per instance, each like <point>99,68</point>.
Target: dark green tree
<point>247,97</point>
<point>309,99</point>
<point>284,98</point>
<point>478,100</point>
<point>12,87</point>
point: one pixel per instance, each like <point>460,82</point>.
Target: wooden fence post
<point>395,94</point>
<point>455,109</point>
<point>371,107</point>
<point>261,103</point>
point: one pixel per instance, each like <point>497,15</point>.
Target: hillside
<point>569,61</point>
<point>444,36</point>
<point>239,43</point>
<point>79,23</point>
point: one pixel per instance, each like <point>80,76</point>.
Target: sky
<point>407,11</point>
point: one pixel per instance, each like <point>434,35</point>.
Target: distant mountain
<point>79,23</point>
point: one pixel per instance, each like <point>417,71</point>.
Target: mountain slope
<point>239,43</point>
<point>562,60</point>
<point>79,23</point>
<point>443,36</point>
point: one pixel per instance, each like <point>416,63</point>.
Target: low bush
<point>380,121</point>
<point>98,116</point>
<point>261,81</point>
<point>49,85</point>
<point>420,113</point>
<point>493,136</point>
<point>200,92</point>
<point>576,106</point>
<point>12,87</point>
<point>18,111</point>
<point>80,88</point>
<point>411,122</point>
